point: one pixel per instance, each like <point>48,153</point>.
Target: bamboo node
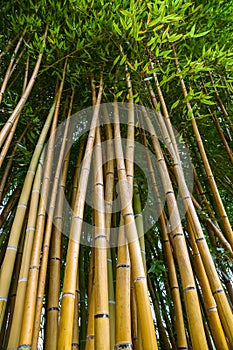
<point>212,309</point>
<point>59,259</point>
<point>76,345</point>
<point>139,214</point>
<point>177,234</point>
<point>120,266</point>
<point>123,346</point>
<point>12,248</point>
<point>200,239</point>
<point>22,206</point>
<point>174,287</point>
<point>189,288</point>
<point>54,308</point>
<point>25,346</point>
<point>139,279</point>
<point>30,229</point>
<point>102,315</point>
<point>218,291</point>
<point>100,236</point>
<point>68,294</point>
<point>22,280</point>
<point>89,337</point>
<point>128,214</point>
<point>34,268</point>
<point>3,299</point>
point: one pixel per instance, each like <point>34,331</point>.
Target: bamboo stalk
<point>69,286</point>
<point>8,263</point>
<point>123,276</point>
<point>179,320</point>
<point>218,127</point>
<point>55,259</point>
<point>9,69</point>
<point>84,313</point>
<point>225,114</point>
<point>90,339</point>
<point>108,198</point>
<point>7,143</point>
<point>10,205</point>
<point>210,305</point>
<point>188,283</point>
<point>102,331</point>
<point>138,273</point>
<point>11,42</point>
<point>27,330</point>
<point>7,127</point>
<point>23,276</point>
<point>214,189</point>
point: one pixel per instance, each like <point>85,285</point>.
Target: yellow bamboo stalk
<point>26,335</point>
<point>67,308</point>
<point>108,198</point>
<point>213,186</point>
<point>123,276</point>
<point>226,318</point>
<point>217,124</point>
<point>209,302</point>
<point>138,273</point>
<point>23,276</point>
<point>90,340</point>
<point>8,263</point>
<point>139,222</point>
<point>102,331</point>
<point>75,339</point>
<point>14,284</point>
<point>224,111</point>
<point>76,174</point>
<point>51,209</point>
<point>214,228</point>
<point>179,320</point>
<point>188,283</point>
<point>51,333</point>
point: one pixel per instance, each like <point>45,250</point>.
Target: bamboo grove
<point>116,175</point>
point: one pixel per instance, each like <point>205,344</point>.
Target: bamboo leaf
<point>117,29</point>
